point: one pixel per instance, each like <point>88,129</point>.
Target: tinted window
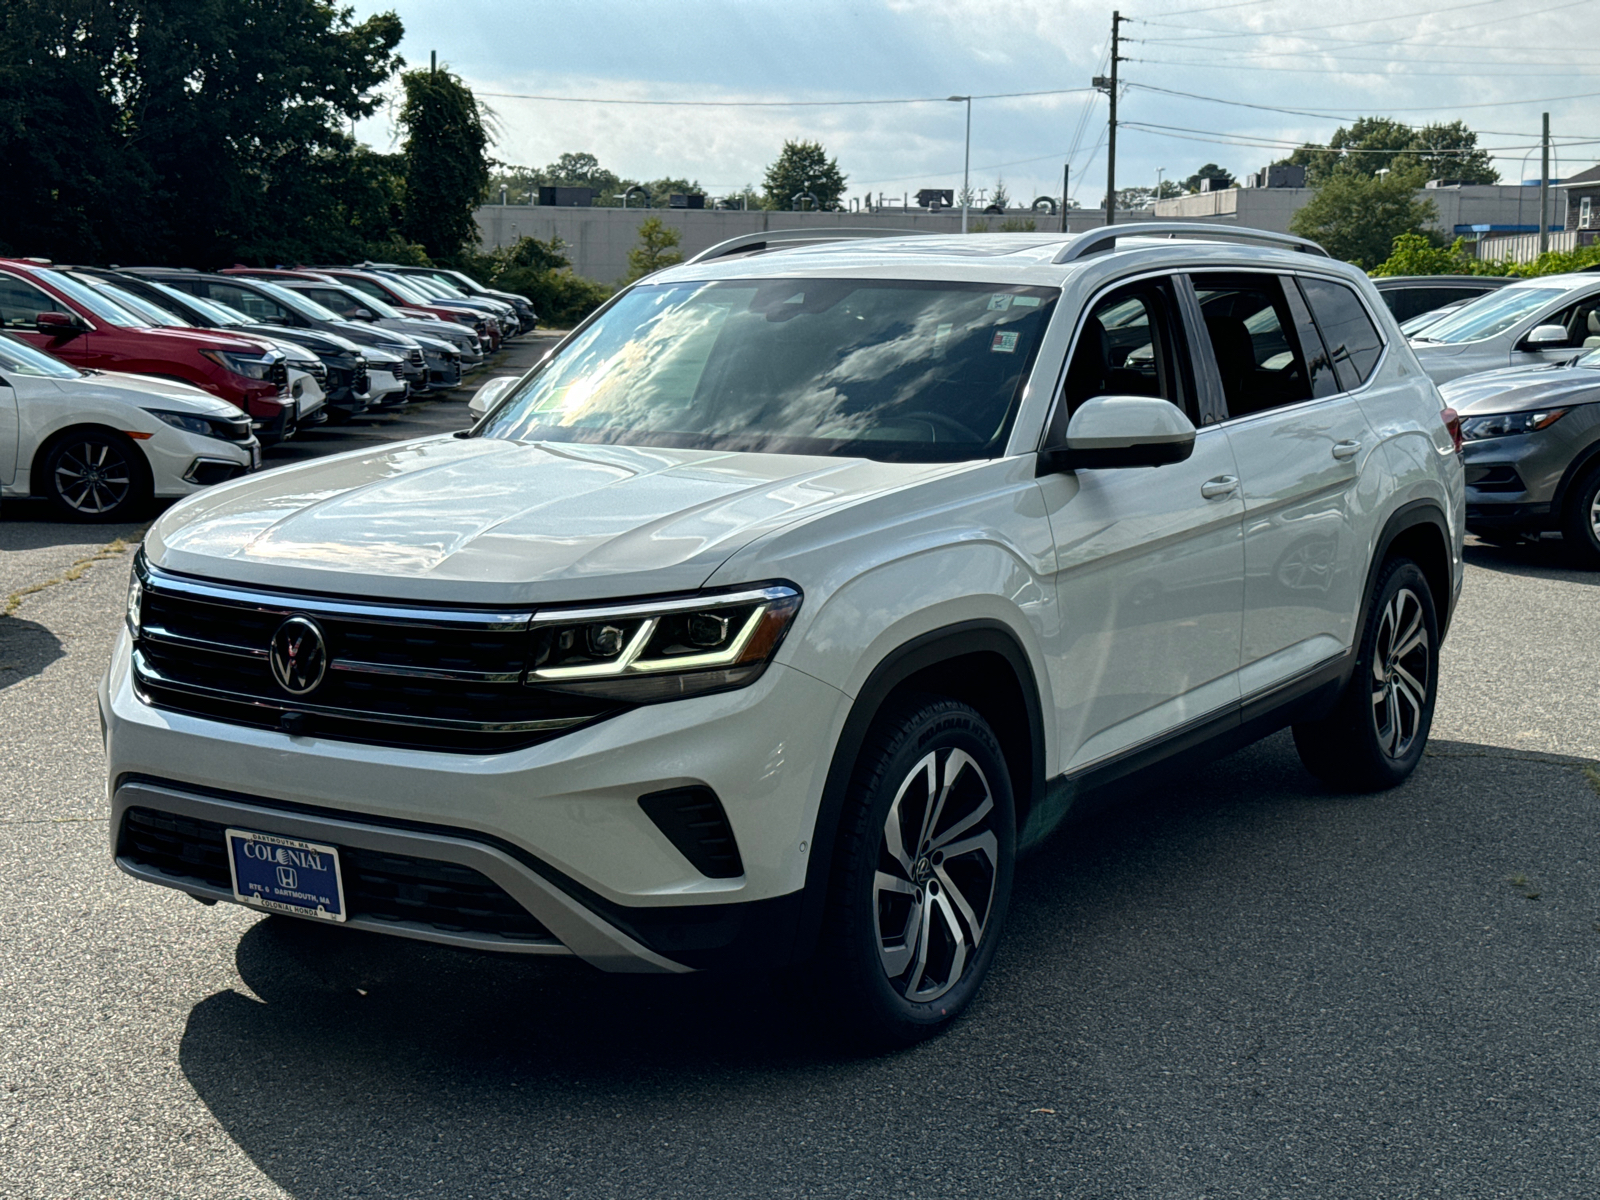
<point>21,303</point>
<point>1582,323</point>
<point>1252,336</point>
<point>872,368</point>
<point>251,303</point>
<point>19,358</point>
<point>1492,313</point>
<point>1352,339</point>
<point>1127,347</point>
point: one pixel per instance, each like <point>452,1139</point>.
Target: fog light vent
<point>694,822</point>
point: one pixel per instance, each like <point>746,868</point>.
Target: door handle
<point>1222,485</point>
<point>1346,450</point>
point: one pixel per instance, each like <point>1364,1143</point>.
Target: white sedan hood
<point>487,521</point>
<point>145,392</point>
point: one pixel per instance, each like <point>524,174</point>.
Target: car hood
<point>495,522</point>
<point>144,391</point>
<point>318,340</point>
<point>1516,389</point>
<point>208,339</point>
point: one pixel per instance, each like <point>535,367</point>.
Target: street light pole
<point>966,162</point>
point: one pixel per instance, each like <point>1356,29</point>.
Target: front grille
<point>392,888</point>
<point>278,373</point>
<point>396,675</point>
<point>415,356</point>
<point>230,430</point>
<point>360,381</point>
<point>316,370</point>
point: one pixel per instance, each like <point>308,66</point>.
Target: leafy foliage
<point>999,197</point>
<point>194,131</point>
<point>522,184</point>
<point>803,167</point>
<point>1416,255</point>
<point>657,248</point>
<point>1371,144</point>
<point>1358,217</point>
<point>445,153</point>
<point>541,272</point>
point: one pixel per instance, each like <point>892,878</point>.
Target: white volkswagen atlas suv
<point>797,591</point>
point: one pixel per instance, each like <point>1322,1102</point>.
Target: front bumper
<point>558,825</point>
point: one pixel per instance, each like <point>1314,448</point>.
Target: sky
<point>1496,64</point>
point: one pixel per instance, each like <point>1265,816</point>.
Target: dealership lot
<point>1239,986</point>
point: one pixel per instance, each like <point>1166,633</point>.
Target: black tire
<point>1376,735</point>
<point>882,987</point>
<point>95,475</point>
<point>1579,519</point>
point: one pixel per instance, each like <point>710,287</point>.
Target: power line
<point>1410,16</point>
<point>1410,41</point>
<point>1332,115</point>
<point>1212,66</point>
<point>1219,7</point>
<point>1280,144</point>
<point>772,103</point>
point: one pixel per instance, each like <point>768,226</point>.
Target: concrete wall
<point>1457,207</point>
<point>598,239</point>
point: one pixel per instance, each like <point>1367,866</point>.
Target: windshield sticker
<point>1025,301</point>
<point>1000,301</point>
<point>1005,342</point>
<point>940,336</point>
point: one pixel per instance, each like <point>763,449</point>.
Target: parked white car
<point>765,619</point>
<point>1549,319</point>
<point>99,445</point>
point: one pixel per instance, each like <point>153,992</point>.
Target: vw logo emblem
<point>299,655</point>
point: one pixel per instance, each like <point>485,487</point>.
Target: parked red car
<point>400,296</point>
<point>79,325</point>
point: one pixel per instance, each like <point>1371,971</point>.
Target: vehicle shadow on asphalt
<point>26,648</point>
<point>1174,960</point>
<point>1547,558</point>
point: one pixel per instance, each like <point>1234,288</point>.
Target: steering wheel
<point>940,421</point>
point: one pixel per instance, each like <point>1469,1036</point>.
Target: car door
<point>10,432</point>
<point>21,302</point>
<point>1149,561</point>
<point>1299,437</point>
<point>1580,317</point>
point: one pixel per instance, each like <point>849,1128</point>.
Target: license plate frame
<point>287,875</point>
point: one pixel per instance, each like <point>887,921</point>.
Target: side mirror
<point>487,396</point>
<point>363,314</point>
<point>1548,336</point>
<point>58,325</point>
<point>1122,431</point>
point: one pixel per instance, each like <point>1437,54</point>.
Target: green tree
<point>803,167</point>
<point>1220,179</point>
<point>1372,144</point>
<point>445,152</point>
<point>1357,218</point>
<point>657,248</point>
<point>1450,152</point>
<point>1000,198</point>
<point>541,272</point>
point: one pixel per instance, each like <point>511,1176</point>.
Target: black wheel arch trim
<point>1582,462</point>
<point>1409,516</point>
<point>927,650</point>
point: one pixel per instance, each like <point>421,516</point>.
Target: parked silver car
<point>1529,323</point>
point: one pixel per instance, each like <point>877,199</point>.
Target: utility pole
<point>1066,189</point>
<point>1544,186</point>
<point>433,62</point>
<point>1108,84</point>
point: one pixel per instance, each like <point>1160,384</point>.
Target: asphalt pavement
<point>1240,985</point>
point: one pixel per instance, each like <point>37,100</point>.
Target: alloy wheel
<point>1401,672</point>
<point>1594,516</point>
<point>937,870</point>
<point>92,477</point>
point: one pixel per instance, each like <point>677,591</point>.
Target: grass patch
<point>76,571</point>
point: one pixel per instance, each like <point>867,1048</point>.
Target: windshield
<point>19,358</point>
<point>901,371</point>
<point>1422,320</point>
<point>378,307</point>
<point>100,305</point>
<point>209,309</point>
<point>467,286</point>
<point>425,288</point>
<point>1492,314</point>
<point>445,287</point>
<point>150,312</point>
<point>1590,360</point>
<point>409,295</point>
<point>295,302</point>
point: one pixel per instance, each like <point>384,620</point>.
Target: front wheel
<point>1580,521</point>
<point>1376,734</point>
<point>922,874</point>
<point>96,475</point>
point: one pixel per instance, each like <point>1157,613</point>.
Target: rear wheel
<point>96,475</point>
<point>1580,520</point>
<point>1376,734</point>
<point>922,874</point>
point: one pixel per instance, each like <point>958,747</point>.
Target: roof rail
<point>1105,237</point>
<point>754,243</point>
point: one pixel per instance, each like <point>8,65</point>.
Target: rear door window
<point>1252,333</point>
<point>1352,339</point>
<point>21,303</point>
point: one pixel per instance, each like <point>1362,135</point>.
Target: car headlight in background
<point>1476,429</point>
<point>251,366</point>
<point>662,650</point>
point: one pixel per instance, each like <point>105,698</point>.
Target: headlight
<point>1476,429</point>
<point>661,651</point>
<point>189,423</point>
<point>135,601</point>
<point>249,365</point>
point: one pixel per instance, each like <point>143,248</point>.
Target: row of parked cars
<point>118,385</point>
<point>1519,361</point>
